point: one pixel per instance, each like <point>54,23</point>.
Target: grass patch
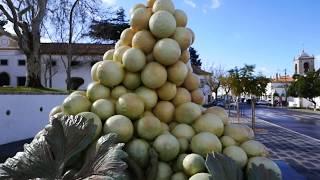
<point>22,89</point>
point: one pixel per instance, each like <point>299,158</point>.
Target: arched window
<point>296,69</point>
<point>306,67</point>
<point>4,79</point>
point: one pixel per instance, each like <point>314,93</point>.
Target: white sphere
<point>154,75</point>
<point>108,55</point>
<point>134,60</point>
<point>162,24</point>
<point>183,37</point>
<point>144,40</point>
<point>140,19</point>
<point>120,125</point>
<point>181,18</point>
<point>167,51</point>
<point>110,73</point>
<point>163,5</point>
<point>177,73</point>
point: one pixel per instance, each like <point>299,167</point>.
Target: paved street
<point>300,152</point>
<point>301,122</point>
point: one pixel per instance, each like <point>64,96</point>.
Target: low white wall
<point>21,117</point>
<point>303,103</point>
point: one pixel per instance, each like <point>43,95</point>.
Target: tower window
<point>306,67</point>
<point>296,69</point>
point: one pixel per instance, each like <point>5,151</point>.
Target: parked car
<point>263,102</point>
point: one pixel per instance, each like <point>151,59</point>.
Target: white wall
<point>303,103</point>
<point>25,119</point>
<point>82,70</point>
<point>12,68</point>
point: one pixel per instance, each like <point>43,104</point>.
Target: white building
<point>204,84</point>
<point>54,59</point>
<point>276,90</point>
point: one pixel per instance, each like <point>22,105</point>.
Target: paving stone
<point>300,152</point>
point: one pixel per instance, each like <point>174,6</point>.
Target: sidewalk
<point>301,152</point>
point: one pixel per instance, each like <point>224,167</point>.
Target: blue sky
<point>267,33</point>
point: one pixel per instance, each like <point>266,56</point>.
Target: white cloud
<point>215,4</point>
<point>190,3</point>
<point>110,2</point>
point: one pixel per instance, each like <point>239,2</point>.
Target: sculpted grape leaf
<point>51,148</point>
<point>222,167</point>
<point>104,159</point>
<point>261,173</point>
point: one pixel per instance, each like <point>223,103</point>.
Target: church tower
<point>303,63</point>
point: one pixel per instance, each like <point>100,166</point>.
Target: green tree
<point>256,87</point>
<point>194,57</point>
<point>109,29</point>
<point>244,81</point>
<point>306,86</point>
<point>236,87</point>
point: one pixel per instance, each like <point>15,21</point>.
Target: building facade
<point>303,63</point>
<point>54,62</point>
<point>278,87</point>
<point>204,84</point>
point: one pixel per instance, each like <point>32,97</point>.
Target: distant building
<point>277,88</point>
<point>303,63</point>
<point>54,59</point>
<point>204,84</point>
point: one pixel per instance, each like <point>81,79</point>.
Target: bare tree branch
<point>6,13</point>
<point>23,11</point>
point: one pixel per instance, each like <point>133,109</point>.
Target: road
<point>301,122</point>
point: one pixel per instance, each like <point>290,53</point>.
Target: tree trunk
<point>216,93</point>
<point>70,45</point>
<point>33,77</point>
<point>238,110</point>
<point>253,113</point>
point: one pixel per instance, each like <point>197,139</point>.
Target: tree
<point>236,87</point>
<point>26,17</point>
<point>109,29</point>
<point>71,19</point>
<point>306,86</point>
<point>225,83</point>
<point>194,57</point>
<point>243,81</point>
<point>256,87</point>
<point>215,79</point>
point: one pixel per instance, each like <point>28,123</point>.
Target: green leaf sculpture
<point>261,173</point>
<point>104,160</point>
<point>47,154</point>
<point>222,167</point>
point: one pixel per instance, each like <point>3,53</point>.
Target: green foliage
<point>223,168</point>
<point>261,173</point>
<point>243,81</point>
<point>109,29</point>
<point>194,57</point>
<point>307,86</point>
<point>64,138</point>
<point>225,82</point>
